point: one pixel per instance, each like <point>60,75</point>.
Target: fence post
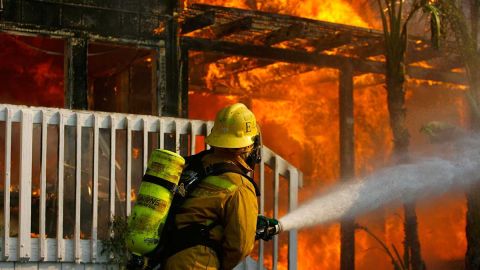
<point>96,136</point>
<point>43,187</point>
<point>6,199</point>
<point>78,188</point>
<point>25,189</point>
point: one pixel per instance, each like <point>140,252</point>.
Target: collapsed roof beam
<point>316,59</point>
<point>198,22</point>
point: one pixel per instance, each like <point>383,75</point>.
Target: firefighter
<point>223,207</point>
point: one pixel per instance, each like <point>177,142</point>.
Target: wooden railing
<point>64,174</point>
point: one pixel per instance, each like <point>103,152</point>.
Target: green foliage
<point>395,20</point>
<point>440,132</point>
<point>115,246</point>
<point>435,23</point>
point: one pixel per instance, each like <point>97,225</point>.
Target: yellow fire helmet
<point>235,127</point>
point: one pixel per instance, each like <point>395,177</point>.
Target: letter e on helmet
<point>235,127</point>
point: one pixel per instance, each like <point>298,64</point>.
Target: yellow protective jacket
<point>228,199</point>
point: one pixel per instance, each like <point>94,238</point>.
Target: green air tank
<point>153,201</point>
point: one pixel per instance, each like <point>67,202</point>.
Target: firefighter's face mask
<point>255,156</point>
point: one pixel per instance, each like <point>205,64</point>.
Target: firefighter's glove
<point>266,228</point>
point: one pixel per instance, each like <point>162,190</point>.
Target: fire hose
<point>267,228</point>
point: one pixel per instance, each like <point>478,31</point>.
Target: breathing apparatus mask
<point>255,156</point>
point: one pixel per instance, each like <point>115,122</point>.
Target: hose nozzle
<point>267,228</point>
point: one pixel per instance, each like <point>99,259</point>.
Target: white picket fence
<point>50,146</point>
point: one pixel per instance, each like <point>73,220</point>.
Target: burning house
<point>139,73</point>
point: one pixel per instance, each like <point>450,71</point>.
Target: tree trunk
<point>472,256</point>
<point>472,231</point>
<point>411,237</point>
<point>396,107</point>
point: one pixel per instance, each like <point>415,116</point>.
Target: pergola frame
<point>282,38</point>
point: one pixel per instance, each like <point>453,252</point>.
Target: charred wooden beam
<point>316,59</point>
<point>232,27</point>
<point>293,56</point>
<point>198,22</point>
<point>285,33</point>
<point>75,63</point>
<point>170,102</point>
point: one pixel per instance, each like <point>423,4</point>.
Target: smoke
<point>458,169</point>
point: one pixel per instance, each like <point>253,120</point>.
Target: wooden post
<point>347,161</point>
<point>25,187</point>
<point>171,97</point>
<point>75,68</point>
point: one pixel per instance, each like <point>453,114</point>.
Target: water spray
<point>406,182</point>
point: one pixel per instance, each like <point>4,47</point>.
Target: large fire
<point>297,107</point>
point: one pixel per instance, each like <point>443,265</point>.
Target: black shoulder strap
<point>194,162</point>
<point>226,167</point>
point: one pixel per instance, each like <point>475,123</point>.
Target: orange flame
<point>339,11</point>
